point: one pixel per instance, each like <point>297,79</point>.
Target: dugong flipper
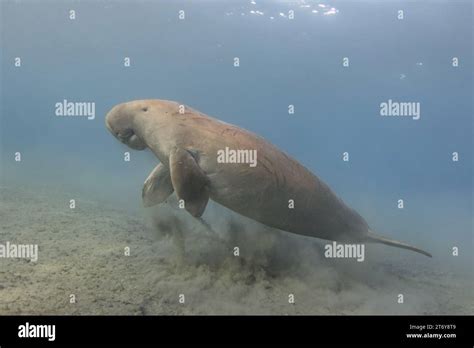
<point>189,145</point>
<point>157,187</point>
<point>189,181</point>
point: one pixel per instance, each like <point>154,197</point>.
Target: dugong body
<point>188,143</point>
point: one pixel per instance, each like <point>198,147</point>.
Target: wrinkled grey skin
<point>261,193</point>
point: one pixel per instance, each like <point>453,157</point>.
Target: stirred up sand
<point>82,253</point>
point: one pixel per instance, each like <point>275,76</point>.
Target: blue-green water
<point>283,61</point>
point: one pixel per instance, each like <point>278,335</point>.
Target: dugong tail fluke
<point>373,237</point>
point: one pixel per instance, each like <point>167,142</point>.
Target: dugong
<point>188,145</point>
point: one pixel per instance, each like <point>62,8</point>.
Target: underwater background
<point>290,53</point>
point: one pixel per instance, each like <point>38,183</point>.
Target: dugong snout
<point>120,123</point>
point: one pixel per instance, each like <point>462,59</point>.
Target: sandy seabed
<point>82,252</point>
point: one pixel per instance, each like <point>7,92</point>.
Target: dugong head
<point>120,122</point>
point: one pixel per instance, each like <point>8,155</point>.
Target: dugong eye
<point>145,108</point>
